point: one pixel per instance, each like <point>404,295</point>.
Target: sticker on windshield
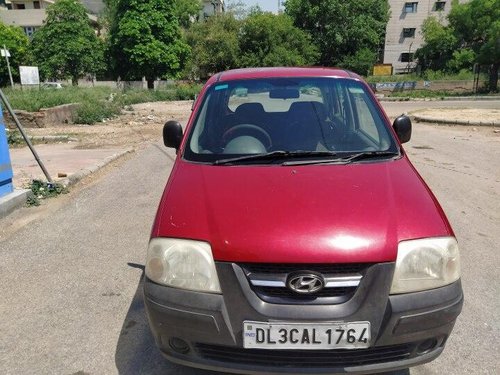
<point>221,87</point>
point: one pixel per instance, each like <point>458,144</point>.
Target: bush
<point>43,190</point>
<point>96,103</point>
<point>14,138</point>
<point>91,112</point>
<point>187,92</point>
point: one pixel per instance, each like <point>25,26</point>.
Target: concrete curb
<point>12,201</point>
<point>454,122</point>
<point>76,177</point>
<point>446,98</point>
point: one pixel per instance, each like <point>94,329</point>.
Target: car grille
<point>306,358</point>
<point>268,281</point>
<point>287,293</point>
<point>339,268</point>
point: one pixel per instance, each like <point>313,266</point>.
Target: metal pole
<point>21,130</point>
<point>8,66</point>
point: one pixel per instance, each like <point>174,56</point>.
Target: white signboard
<point>29,75</point>
<point>5,52</point>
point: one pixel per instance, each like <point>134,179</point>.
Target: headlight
<point>183,264</point>
<point>426,264</point>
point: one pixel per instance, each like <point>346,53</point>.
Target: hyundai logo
<point>305,283</point>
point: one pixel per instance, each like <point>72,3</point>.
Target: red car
<point>295,236</point>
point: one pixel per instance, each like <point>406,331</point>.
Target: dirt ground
<point>144,123</point>
<point>469,114</point>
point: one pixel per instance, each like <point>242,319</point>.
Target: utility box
<point>6,174</point>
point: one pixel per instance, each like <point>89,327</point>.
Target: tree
<point>66,46</point>
<point>342,29</point>
<point>17,44</point>
<point>476,25</point>
<point>214,45</point>
<point>238,8</point>
<point>186,11</point>
<point>439,44</point>
<point>145,40</point>
<point>267,39</point>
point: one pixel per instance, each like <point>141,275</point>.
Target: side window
<point>365,114</point>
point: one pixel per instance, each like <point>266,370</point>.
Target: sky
<point>269,5</point>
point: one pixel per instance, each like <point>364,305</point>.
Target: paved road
<point>70,281</point>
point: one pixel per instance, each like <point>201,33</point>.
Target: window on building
<point>406,57</point>
<point>19,6</point>
<point>29,30</point>
<point>409,32</point>
<point>439,6</point>
<point>36,4</point>
<point>411,7</point>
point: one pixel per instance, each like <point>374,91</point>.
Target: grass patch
<point>32,100</point>
<point>42,190</point>
<point>96,103</point>
<point>428,94</point>
<point>428,75</point>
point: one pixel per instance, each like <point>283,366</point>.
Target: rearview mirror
<point>172,134</point>
<point>284,94</point>
<point>402,127</point>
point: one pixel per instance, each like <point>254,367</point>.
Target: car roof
<point>255,73</point>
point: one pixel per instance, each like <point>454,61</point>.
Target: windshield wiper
<point>347,159</point>
<point>276,155</point>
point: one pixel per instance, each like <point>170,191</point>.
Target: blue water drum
<point>5,166</point>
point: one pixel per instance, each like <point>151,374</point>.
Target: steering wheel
<point>262,135</point>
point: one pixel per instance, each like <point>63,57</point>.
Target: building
<point>30,14</point>
<point>404,30</point>
<point>211,7</point>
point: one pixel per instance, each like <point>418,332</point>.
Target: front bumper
<point>205,330</point>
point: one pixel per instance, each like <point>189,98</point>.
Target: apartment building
<point>404,30</point>
<point>30,14</point>
<point>211,7</point>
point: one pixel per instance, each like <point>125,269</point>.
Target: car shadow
<point>136,351</point>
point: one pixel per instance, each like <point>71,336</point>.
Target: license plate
<point>309,336</point>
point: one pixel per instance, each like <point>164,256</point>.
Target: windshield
<point>287,118</point>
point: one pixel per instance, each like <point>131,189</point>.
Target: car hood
<point>300,214</point>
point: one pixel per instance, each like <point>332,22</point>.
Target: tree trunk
<point>493,84</point>
<point>151,83</point>
<point>74,80</point>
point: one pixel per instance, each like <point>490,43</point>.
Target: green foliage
<point>261,39</point>
<point>93,111</point>
<point>342,29</point>
<point>473,35</point>
<point>187,10</point>
<point>97,103</point>
<point>267,39</point>
<point>33,100</point>
<point>361,62</point>
<point>42,190</point>
<point>18,45</point>
<point>462,59</point>
<point>66,46</point>
<point>145,40</point>
<point>428,75</point>
<point>214,45</point>
<point>440,43</point>
<point>14,137</point>
<point>477,27</point>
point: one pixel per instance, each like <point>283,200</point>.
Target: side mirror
<point>172,134</point>
<point>402,127</point>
